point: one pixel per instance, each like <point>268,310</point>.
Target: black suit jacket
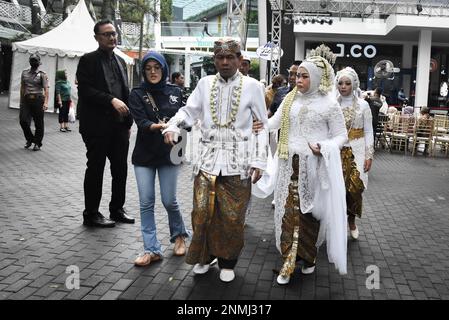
<point>97,116</point>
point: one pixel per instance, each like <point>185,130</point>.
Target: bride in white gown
<point>310,205</point>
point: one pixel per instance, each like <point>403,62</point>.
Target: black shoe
<point>97,220</point>
<point>36,147</point>
<point>67,129</point>
<point>27,145</point>
<point>120,215</point>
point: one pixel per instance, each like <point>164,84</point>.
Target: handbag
<point>72,117</point>
<point>150,101</point>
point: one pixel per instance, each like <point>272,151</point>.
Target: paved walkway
<point>404,234</point>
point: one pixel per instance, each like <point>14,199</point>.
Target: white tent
<point>59,49</point>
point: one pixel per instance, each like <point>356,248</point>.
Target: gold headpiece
<point>327,77</point>
<point>325,52</point>
<point>226,44</point>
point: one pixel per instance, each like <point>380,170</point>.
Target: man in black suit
<point>105,124</point>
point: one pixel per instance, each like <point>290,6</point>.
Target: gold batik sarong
<point>218,217</point>
<point>353,183</point>
<point>299,231</point>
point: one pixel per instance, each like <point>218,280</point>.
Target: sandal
<point>146,259</point>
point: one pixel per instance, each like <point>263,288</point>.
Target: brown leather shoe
<point>146,259</point>
<point>180,246</point>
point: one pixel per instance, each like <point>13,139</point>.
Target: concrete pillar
<point>407,57</point>
<point>423,68</point>
<point>176,64</point>
<point>299,48</point>
<point>263,37</point>
<point>187,63</point>
<point>157,26</point>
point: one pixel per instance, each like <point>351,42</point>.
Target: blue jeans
<point>145,177</point>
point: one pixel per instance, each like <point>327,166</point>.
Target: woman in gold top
<point>357,153</point>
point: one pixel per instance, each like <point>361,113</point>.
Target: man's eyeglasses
<point>108,34</point>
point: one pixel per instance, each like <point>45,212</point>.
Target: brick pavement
<point>404,232</point>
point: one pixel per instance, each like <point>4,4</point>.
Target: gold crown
<point>325,52</point>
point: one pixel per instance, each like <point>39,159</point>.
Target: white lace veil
<point>349,73</point>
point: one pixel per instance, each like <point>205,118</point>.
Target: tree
<point>35,20</point>
<point>65,5</point>
<point>209,65</point>
<point>107,9</point>
<point>135,11</point>
<point>166,11</point>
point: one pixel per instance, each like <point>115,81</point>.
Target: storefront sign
<point>356,51</point>
<point>269,51</point>
<point>204,43</point>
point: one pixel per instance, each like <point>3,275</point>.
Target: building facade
<point>413,38</point>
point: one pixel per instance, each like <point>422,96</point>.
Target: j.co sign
<point>269,51</point>
<point>356,51</point>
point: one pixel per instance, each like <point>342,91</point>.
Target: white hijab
<point>349,73</point>
<point>315,75</point>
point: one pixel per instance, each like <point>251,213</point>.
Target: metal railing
<point>365,8</point>
<point>196,29</point>
<point>19,13</point>
<point>188,29</point>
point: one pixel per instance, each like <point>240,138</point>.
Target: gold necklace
<point>213,100</point>
<point>349,112</point>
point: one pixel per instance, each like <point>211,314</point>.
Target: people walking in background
<point>33,102</point>
<point>151,105</point>
<point>230,156</point>
<point>205,27</point>
<point>277,82</point>
<point>63,92</point>
<point>401,97</point>
<point>375,104</point>
<point>309,192</point>
<point>177,78</point>
<point>282,92</point>
<point>245,65</point>
<point>358,151</point>
<point>105,124</point>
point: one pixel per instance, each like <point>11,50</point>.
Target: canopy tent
<point>60,49</point>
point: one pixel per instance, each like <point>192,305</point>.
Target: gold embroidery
<point>355,133</point>
<point>290,263</point>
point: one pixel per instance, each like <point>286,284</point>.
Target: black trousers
<point>64,112</point>
<point>113,145</point>
<point>32,109</point>
<point>224,263</point>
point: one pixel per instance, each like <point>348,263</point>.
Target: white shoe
<point>201,268</point>
<point>227,275</point>
<point>309,270</point>
<point>354,233</point>
<point>273,204</point>
<point>283,280</point>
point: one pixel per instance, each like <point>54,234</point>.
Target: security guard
<point>33,102</point>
